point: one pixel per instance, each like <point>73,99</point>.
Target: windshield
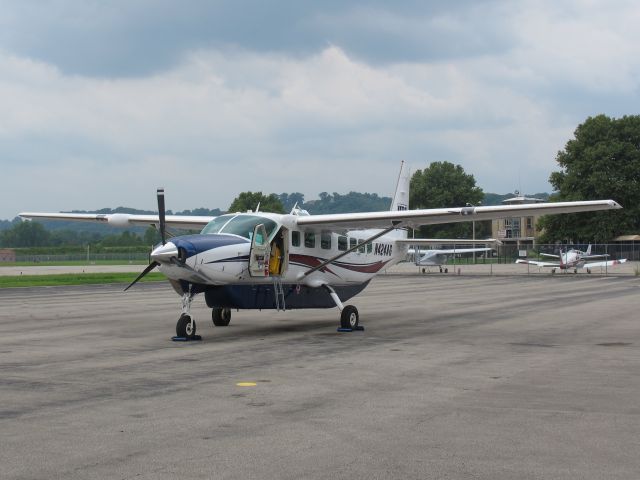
<point>241,225</point>
<point>216,224</point>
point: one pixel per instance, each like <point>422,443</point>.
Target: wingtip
<point>614,204</point>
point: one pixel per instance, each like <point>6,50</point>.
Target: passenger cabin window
<point>342,243</point>
<point>295,238</point>
<point>352,242</point>
<point>310,239</point>
<point>360,249</point>
<point>325,240</point>
<point>370,245</point>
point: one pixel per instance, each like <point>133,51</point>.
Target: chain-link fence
<point>88,258</point>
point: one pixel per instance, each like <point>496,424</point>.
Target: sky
<point>103,102</point>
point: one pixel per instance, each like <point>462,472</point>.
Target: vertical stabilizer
<point>401,195</point>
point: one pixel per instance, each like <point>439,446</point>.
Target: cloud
<point>499,95</point>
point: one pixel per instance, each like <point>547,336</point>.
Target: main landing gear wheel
<point>221,316</point>
<point>349,317</point>
<point>185,328</point>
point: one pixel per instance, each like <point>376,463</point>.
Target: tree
<point>442,185</point>
<point>25,234</point>
<point>151,236</point>
<point>602,161</point>
<point>289,200</point>
<point>349,203</point>
<point>249,201</point>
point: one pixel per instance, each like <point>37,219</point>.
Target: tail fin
<point>401,195</point>
<point>588,252</point>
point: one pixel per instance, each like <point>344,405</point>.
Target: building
<point>518,231</point>
<point>7,255</point>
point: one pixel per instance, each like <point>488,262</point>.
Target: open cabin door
<point>259,254</point>
<point>279,261</point>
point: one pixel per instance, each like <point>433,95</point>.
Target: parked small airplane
<point>439,257</point>
<point>259,260</point>
<point>573,259</point>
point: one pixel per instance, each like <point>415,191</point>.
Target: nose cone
<point>164,253</point>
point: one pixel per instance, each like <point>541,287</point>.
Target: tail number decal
<point>384,249</point>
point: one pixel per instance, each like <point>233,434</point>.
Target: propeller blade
<point>161,215</point>
<point>150,267</point>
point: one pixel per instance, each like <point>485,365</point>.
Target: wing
<point>124,219</point>
<point>608,263</point>
<point>538,264</point>
<point>443,241</point>
<point>549,255</point>
<point>591,257</point>
<point>416,218</point>
<point>451,251</point>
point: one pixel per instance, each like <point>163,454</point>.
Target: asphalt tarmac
<point>454,377</point>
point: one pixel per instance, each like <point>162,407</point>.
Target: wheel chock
<point>186,339</point>
<point>359,328</point>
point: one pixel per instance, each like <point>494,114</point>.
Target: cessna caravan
<point>258,260</point>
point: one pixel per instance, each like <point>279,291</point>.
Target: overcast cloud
<point>104,101</point>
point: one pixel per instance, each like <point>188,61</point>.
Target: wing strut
<point>355,247</point>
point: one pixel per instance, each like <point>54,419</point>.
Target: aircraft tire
<point>221,316</point>
<point>183,327</point>
<point>349,317</point>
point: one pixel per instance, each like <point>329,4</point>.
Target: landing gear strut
<point>186,326</point>
<point>349,317</point>
<point>221,316</point>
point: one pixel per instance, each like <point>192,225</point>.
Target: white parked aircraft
<point>275,261</point>
<point>573,259</point>
<point>439,257</point>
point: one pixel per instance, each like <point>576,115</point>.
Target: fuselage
<point>571,259</point>
<point>221,254</point>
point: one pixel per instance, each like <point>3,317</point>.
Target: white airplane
<point>573,259</point>
<point>296,260</point>
<point>439,257</point>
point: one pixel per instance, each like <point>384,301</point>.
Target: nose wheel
<point>186,327</point>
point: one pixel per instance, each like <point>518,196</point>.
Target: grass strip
<point>74,279</point>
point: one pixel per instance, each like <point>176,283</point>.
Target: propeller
<point>150,267</point>
<point>163,235</point>
<point>161,216</point>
